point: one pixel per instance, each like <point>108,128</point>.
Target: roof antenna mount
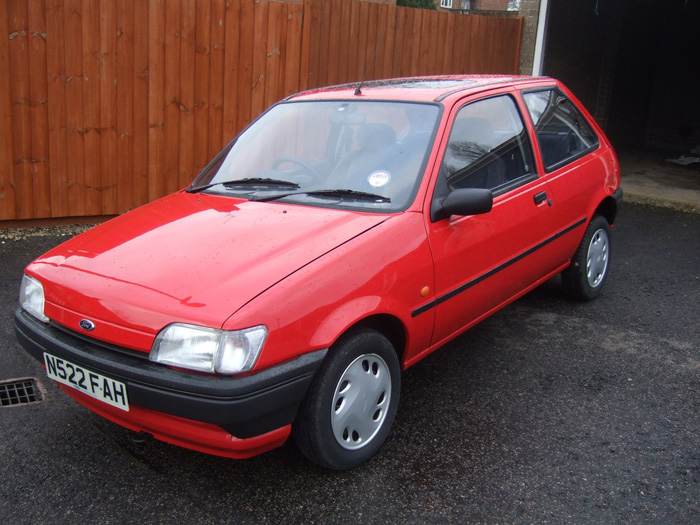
<point>380,40</point>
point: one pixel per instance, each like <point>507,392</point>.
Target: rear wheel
<point>351,403</point>
<point>584,278</point>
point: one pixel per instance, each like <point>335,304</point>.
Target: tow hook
<point>139,438</point>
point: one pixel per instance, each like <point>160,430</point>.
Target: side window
<point>562,132</point>
<point>488,147</point>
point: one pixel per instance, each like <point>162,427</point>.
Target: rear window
<point>563,133</point>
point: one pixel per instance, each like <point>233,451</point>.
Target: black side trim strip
<point>423,308</point>
<point>493,271</point>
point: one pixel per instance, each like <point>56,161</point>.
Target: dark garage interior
<point>635,64</point>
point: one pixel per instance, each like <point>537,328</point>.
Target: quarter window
<point>562,132</point>
<point>488,147</point>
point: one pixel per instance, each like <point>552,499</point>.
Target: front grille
<point>15,392</point>
<point>100,344</point>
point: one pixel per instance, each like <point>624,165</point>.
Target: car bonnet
<point>191,258</point>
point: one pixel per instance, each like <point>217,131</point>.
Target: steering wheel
<point>315,175</point>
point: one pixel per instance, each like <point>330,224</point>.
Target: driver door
<point>483,261</point>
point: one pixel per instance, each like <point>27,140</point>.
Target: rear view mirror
<point>347,118</point>
<point>464,201</point>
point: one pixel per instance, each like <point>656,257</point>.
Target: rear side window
<point>562,132</point>
<point>488,147</point>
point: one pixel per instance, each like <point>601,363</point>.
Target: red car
<point>343,236</point>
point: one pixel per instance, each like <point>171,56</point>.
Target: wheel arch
<point>387,325</point>
<point>390,327</point>
<point>608,208</point>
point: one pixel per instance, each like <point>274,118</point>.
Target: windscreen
<point>349,154</point>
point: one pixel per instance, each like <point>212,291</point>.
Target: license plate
<point>86,381</point>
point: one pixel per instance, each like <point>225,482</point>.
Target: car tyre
<point>348,411</point>
<point>584,278</point>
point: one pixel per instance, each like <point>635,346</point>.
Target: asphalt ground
<point>550,411</point>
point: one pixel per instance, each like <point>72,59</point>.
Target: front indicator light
<point>208,350</point>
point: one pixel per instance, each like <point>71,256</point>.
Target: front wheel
<point>584,278</point>
<point>351,403</point>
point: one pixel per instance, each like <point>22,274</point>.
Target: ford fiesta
<point>343,236</point>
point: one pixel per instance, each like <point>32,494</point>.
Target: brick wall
<point>490,5</point>
<point>530,11</point>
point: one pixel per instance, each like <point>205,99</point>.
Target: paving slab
<point>649,178</point>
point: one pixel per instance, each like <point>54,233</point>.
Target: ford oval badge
<point>87,325</point>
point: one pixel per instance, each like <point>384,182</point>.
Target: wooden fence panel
<point>238,22</point>
<point>21,116</point>
<point>78,185</point>
<point>91,126</point>
<point>107,105</point>
<point>259,37</point>
<point>38,94</point>
<point>7,179</point>
<point>57,108</point>
<point>202,68</point>
<point>122,196</point>
<point>216,86</point>
<point>292,61</point>
<point>186,173</point>
<point>156,98</point>
<point>171,117</point>
<point>141,97</point>
<point>276,34</point>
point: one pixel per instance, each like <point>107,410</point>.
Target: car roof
<point>425,89</point>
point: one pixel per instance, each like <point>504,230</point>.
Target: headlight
<point>208,350</point>
<point>31,298</point>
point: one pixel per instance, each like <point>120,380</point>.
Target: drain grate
<point>19,392</point>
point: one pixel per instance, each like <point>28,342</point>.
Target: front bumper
<point>244,407</point>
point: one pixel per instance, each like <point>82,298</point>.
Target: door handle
<point>540,197</point>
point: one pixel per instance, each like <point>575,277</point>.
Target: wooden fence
<point>106,104</point>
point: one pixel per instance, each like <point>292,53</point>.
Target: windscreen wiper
<point>251,181</point>
<point>341,193</point>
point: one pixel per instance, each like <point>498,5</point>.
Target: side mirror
<point>465,201</point>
